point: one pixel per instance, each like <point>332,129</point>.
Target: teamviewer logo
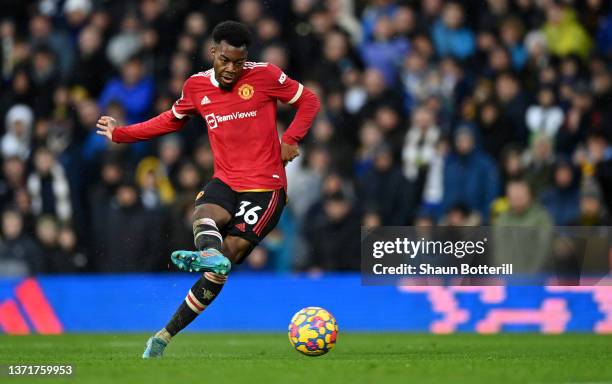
<point>211,120</point>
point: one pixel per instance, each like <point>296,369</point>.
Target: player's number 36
<point>250,215</point>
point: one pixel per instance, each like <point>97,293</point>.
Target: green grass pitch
<point>358,358</point>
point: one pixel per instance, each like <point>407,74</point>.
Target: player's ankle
<point>164,335</point>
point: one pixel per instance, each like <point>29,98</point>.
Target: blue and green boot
<point>154,348</point>
<point>208,260</point>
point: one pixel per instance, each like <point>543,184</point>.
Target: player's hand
<point>106,125</point>
<point>289,152</point>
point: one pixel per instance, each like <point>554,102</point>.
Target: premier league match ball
<point>313,331</point>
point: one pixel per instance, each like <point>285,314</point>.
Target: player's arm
<point>164,123</point>
<point>157,126</point>
<point>303,99</point>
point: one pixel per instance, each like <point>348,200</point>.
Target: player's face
<point>228,62</point>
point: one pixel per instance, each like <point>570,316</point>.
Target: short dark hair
<point>234,33</point>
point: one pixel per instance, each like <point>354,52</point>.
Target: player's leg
<point>207,219</point>
<point>211,215</point>
<point>246,230</point>
<point>201,295</point>
<point>237,248</point>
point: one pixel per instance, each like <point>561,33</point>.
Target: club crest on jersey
<point>246,91</point>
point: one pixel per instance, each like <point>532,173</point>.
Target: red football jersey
<point>241,123</point>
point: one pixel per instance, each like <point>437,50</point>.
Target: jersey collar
<point>213,79</point>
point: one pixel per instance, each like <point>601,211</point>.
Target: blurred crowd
<point>489,112</point>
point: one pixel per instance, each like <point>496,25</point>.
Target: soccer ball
<point>313,331</point>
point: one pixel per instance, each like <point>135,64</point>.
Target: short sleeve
<point>281,86</point>
<point>184,106</point>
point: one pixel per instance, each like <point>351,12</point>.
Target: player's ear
<point>213,50</point>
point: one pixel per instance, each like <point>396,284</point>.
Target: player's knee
<point>206,234</point>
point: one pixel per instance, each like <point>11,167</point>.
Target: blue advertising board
<point>266,302</point>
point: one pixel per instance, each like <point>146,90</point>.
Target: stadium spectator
<point>133,91</point>
<point>43,34</point>
<point>332,236</point>
<point>418,78</point>
<point>386,190</point>
<point>45,79</point>
<point>99,197</point>
<point>511,33</point>
<point>420,145</point>
<point>18,124</point>
<point>530,253</point>
<point>131,237</point>
<point>19,255</point>
<point>545,117</point>
<point>604,36</point>
<point>460,216</point>
<point>74,258</point>
<point>18,92</point>
<point>155,187</point>
<point>433,190</point>
<point>373,12</point>
<point>306,177</point>
<point>125,44</point>
<point>449,34</point>
<point>13,179</point>
<point>404,21</point>
<point>188,180</point>
<point>562,198</point>
<point>48,187</point>
<point>564,33</point>
<point>578,120</point>
<point>495,131</point>
<point>91,68</point>
<point>513,104</point>
<point>370,138</point>
<point>385,52</point>
<point>539,164</point>
<point>46,236</point>
<point>470,176</point>
<point>592,210</point>
<point>337,56</point>
<point>512,164</point>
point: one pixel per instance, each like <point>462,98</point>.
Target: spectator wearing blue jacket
<point>134,91</point>
<point>604,36</point>
<point>450,37</point>
<point>373,12</point>
<point>470,176</point>
<point>385,52</point>
<point>562,199</point>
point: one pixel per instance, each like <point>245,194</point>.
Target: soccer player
<point>244,200</point>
